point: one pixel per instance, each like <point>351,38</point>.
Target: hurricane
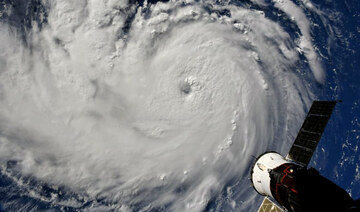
<point>150,105</point>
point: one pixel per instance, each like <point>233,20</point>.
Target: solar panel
<point>268,206</point>
<point>311,131</point>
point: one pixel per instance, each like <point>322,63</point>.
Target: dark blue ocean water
<point>337,156</point>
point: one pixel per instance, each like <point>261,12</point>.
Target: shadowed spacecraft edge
<point>288,180</point>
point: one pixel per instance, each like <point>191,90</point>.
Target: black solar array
<point>311,131</point>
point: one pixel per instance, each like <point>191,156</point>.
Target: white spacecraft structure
<point>288,180</point>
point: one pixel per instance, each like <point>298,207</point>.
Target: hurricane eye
<point>185,88</point>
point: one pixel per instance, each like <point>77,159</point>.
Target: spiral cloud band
<point>149,106</point>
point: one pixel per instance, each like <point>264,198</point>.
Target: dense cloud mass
<point>147,106</point>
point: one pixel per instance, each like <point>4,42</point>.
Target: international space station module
<point>288,180</point>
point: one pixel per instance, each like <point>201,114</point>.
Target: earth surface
<point>163,105</point>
